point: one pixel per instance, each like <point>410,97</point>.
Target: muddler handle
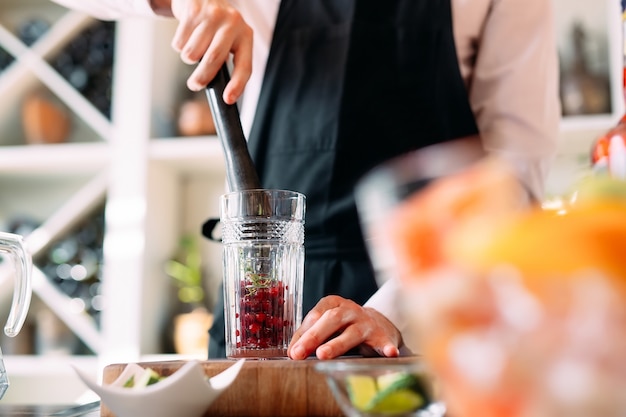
<point>240,170</point>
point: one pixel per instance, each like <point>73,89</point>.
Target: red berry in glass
<point>262,310</point>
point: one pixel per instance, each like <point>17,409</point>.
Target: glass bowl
<point>377,387</point>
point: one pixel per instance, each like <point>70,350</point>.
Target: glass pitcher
<point>13,246</point>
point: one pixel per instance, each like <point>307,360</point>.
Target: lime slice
<point>391,393</point>
<point>397,401</point>
<point>148,377</point>
<point>362,390</point>
<point>398,392</point>
<point>130,382</point>
<point>396,380</point>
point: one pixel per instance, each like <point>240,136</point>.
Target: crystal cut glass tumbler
<point>263,266</point>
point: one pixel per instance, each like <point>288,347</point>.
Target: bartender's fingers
<point>370,331</point>
<point>325,304</point>
<point>242,68</point>
<point>207,32</point>
<point>215,57</point>
<point>352,326</point>
<point>193,13</point>
<point>298,350</point>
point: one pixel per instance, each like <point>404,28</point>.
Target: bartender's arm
<point>208,31</point>
<point>514,87</point>
<point>513,90</point>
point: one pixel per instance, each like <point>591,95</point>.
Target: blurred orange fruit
<point>470,204</point>
<point>589,236</point>
<point>476,219</point>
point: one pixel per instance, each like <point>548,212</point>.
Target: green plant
<point>186,271</point>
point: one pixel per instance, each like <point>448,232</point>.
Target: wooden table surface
<point>263,388</point>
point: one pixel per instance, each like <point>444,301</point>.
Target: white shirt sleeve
<point>110,9</point>
<point>514,87</point>
<point>387,301</point>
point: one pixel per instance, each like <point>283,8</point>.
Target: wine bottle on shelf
<point>583,90</point>
<point>86,62</point>
<point>31,30</point>
<point>28,32</point>
<point>73,263</point>
<point>5,59</point>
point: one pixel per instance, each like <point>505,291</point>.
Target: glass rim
<point>429,162</point>
<point>412,364</point>
<point>263,204</point>
<point>264,191</point>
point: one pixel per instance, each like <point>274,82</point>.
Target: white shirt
<point>508,59</point>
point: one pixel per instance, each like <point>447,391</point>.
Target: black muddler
<point>240,170</point>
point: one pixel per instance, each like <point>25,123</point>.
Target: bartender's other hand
<point>208,31</point>
<point>336,325</point>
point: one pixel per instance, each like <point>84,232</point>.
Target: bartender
<point>328,89</point>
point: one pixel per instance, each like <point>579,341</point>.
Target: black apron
<point>348,85</point>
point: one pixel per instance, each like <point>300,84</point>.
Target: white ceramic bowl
<point>185,393</point>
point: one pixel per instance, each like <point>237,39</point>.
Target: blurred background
<point>110,165</point>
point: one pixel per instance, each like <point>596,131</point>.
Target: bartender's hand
<point>208,31</point>
<point>336,325</point>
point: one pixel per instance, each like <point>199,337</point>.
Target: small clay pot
<point>44,121</point>
<point>191,332</point>
<point>195,119</point>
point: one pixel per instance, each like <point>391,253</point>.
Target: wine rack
<point>86,62</point>
<point>122,162</point>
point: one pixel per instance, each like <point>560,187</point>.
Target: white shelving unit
<point>155,186</point>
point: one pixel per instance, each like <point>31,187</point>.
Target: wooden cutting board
<point>272,388</point>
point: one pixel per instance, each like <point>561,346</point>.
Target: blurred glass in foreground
<point>391,183</point>
<point>517,310</point>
